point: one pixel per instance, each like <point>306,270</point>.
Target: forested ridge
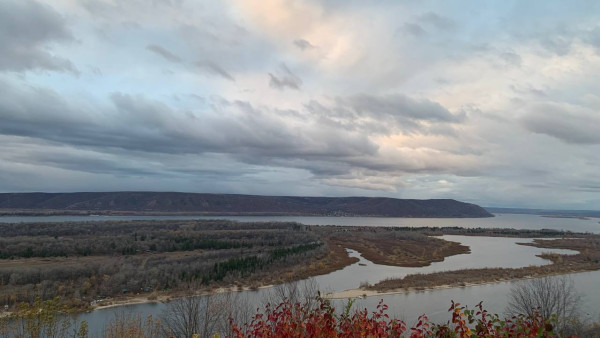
<point>196,203</point>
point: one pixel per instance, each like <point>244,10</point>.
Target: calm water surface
<point>435,303</point>
<point>486,252</point>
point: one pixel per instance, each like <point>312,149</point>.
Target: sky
<point>490,102</point>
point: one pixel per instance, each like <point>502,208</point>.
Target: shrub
<point>294,320</point>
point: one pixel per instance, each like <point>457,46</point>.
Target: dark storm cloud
<point>164,53</point>
<point>27,30</point>
<point>570,124</point>
<point>284,78</point>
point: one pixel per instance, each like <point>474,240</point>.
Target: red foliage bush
<point>295,320</point>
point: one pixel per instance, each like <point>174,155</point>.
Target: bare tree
<point>183,317</point>
<point>234,307</point>
<point>205,315</point>
<point>303,292</point>
<point>131,326</point>
<point>554,295</point>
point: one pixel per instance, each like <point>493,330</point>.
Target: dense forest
<point>133,237</point>
<point>91,260</point>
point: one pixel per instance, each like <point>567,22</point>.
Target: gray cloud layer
<point>137,123</point>
<point>215,69</point>
<point>567,123</point>
<point>27,29</point>
<point>164,53</point>
<point>285,79</point>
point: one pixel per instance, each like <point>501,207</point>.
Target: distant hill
<point>226,204</point>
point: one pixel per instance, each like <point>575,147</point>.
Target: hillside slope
<point>165,202</point>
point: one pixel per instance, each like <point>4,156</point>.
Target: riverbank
<point>587,259</point>
<point>168,297</point>
<point>366,292</point>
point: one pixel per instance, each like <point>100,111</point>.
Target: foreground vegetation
<point>293,320</point>
<point>318,318</point>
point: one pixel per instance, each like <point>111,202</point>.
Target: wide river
<point>485,252</point>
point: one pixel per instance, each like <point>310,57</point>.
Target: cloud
<point>164,53</point>
<point>414,29</point>
<point>334,154</point>
<point>137,123</point>
<point>215,69</point>
<point>511,58</point>
<point>559,45</point>
<point>28,30</point>
<point>568,123</point>
<point>369,182</point>
<point>400,105</point>
<point>431,20</point>
<point>386,114</point>
<point>593,38</point>
<point>303,44</point>
<point>284,78</point>
<point>440,22</point>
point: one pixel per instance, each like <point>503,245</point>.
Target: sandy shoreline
<point>346,294</point>
<point>363,293</point>
<point>170,297</point>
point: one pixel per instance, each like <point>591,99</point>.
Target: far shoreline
<point>114,213</point>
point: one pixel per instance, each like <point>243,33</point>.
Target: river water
<point>485,252</point>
